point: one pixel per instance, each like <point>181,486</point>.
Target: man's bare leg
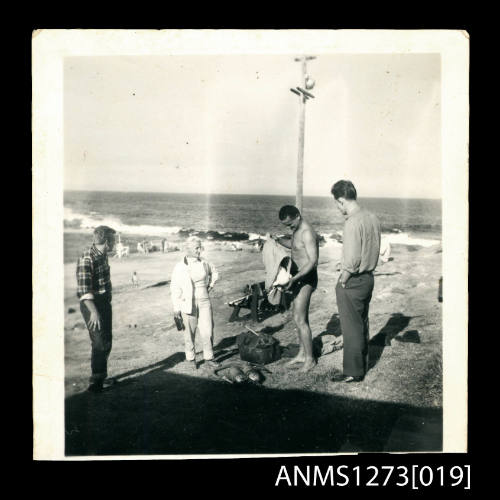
<point>301,318</point>
<point>300,358</point>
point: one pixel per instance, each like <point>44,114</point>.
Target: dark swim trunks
<point>311,278</point>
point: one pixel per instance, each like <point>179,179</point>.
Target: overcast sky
<point>229,124</point>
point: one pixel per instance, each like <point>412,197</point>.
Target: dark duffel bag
<point>259,349</point>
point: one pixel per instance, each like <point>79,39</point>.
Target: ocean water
<point>236,217</point>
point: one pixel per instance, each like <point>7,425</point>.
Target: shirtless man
<point>304,246</point>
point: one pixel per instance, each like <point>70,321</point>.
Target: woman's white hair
<point>191,241</point>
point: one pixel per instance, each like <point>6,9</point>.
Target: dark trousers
<point>101,339</point>
<point>353,303</point>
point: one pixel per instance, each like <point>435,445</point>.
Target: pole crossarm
<point>308,58</point>
<point>305,92</point>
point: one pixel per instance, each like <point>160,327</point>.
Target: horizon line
<point>247,194</point>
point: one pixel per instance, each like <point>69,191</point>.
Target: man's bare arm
<point>285,241</point>
<point>95,318</point>
<point>344,277</point>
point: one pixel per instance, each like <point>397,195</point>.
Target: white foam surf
<point>87,222</point>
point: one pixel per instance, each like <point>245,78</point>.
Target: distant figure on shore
<point>94,291</point>
<point>135,279</point>
<point>121,250</point>
<point>304,247</point>
<point>360,253</point>
<point>192,280</point>
<point>259,245</point>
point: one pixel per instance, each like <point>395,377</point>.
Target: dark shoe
<point>109,382</point>
<point>95,387</point>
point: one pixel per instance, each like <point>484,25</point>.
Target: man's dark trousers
<point>101,339</point>
<point>353,303</point>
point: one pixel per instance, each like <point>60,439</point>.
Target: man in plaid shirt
<point>94,291</point>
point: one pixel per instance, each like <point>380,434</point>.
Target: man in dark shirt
<point>94,291</point>
<point>360,252</point>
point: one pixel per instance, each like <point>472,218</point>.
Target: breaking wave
<point>81,222</point>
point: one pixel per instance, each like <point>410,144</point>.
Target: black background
<point>231,477</point>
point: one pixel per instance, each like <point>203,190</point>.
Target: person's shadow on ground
<point>164,364</point>
<point>395,324</point>
<point>332,327</point>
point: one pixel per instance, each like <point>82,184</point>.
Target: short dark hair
<point>288,211</point>
<point>344,189</point>
<point>102,233</point>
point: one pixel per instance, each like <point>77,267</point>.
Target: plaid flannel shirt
<point>93,274</point>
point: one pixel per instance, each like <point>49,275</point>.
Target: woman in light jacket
<point>192,280</point>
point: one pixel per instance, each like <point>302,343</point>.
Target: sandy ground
<point>404,310</point>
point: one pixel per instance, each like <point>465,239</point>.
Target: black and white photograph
<point>249,243</point>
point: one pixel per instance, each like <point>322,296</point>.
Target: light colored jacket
<point>272,255</point>
<point>181,286</point>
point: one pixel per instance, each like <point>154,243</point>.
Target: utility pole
<point>307,83</point>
